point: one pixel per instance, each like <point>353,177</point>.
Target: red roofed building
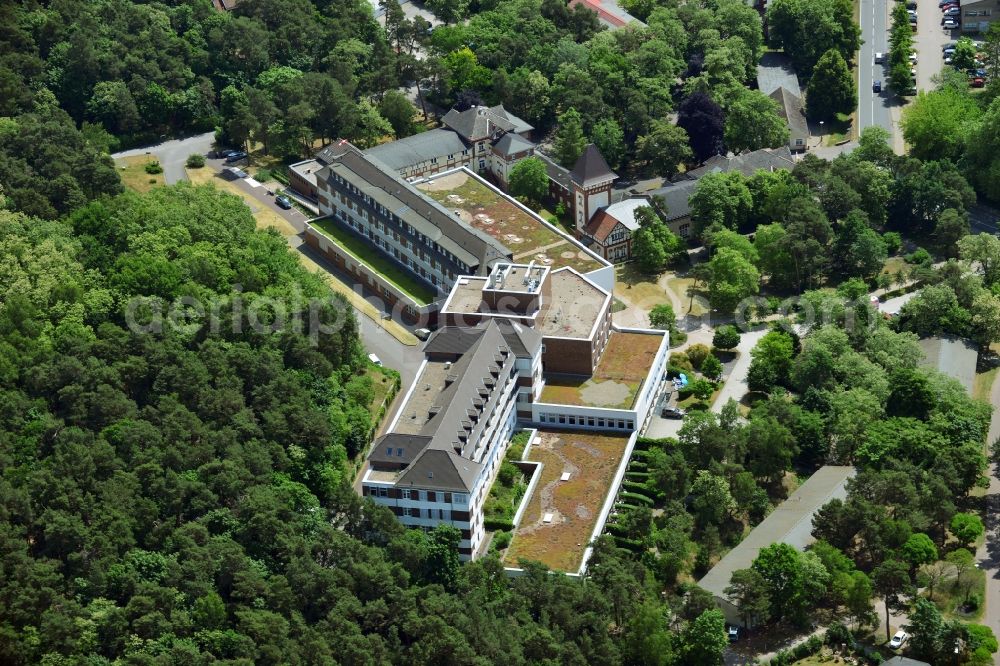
<point>609,232</point>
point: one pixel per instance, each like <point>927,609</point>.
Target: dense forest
<point>179,493</point>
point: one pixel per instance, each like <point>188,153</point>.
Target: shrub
<point>974,603</point>
<point>636,487</point>
<point>711,367</point>
<point>681,361</point>
<point>633,545</point>
<point>893,241</point>
<point>726,337</point>
<point>500,540</point>
<point>918,256</point>
<point>152,181</point>
<point>195,161</point>
<point>697,353</point>
<point>642,499</point>
<point>263,175</point>
<point>493,524</point>
<point>153,168</point>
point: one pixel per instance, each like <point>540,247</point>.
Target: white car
<point>375,359</point>
<point>950,23</point>
<point>879,58</point>
<point>913,57</point>
<point>898,639</point>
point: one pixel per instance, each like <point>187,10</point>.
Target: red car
<point>977,82</point>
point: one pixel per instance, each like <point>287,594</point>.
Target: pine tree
<point>570,140</point>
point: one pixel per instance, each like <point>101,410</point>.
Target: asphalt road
<point>873,108</point>
<point>174,153</point>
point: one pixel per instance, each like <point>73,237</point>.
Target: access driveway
<point>174,153</point>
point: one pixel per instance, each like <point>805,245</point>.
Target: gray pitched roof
<point>790,522</point>
<point>775,71</point>
<point>591,168</point>
<point>955,357</point>
<point>520,126</point>
<point>676,196</point>
<point>417,148</point>
<point>555,171</point>
<point>790,108</point>
<point>524,341</point>
<point>511,144</point>
<point>384,185</point>
<point>404,448</point>
<point>904,661</point>
<point>768,159</point>
<point>481,122</point>
<point>471,391</point>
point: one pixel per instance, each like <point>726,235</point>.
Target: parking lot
<point>928,41</point>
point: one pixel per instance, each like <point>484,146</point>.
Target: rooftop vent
<point>447,365</point>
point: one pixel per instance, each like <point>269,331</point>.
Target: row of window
<point>422,495</point>
<point>979,12</point>
<point>432,514</point>
<point>388,217</point>
<point>590,421</point>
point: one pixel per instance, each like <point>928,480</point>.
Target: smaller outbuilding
<point>955,357</point>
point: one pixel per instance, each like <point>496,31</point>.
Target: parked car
<point>946,8</point>
<point>911,4</point>
<point>283,202</point>
<point>950,23</point>
<point>672,413</point>
<point>375,359</point>
<point>879,58</point>
<point>238,172</point>
<point>977,82</point>
<point>422,333</point>
<point>898,639</point>
<point>953,11</point>
<point>942,3</point>
<point>733,632</point>
<point>236,156</point>
<point>913,57</point>
<point>877,87</point>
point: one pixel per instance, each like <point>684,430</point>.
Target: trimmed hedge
<point>637,465</point>
<point>637,497</point>
<point>494,524</point>
<point>633,545</point>
<point>636,474</point>
<point>638,488</point>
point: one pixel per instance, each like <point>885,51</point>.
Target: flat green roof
<point>375,260</point>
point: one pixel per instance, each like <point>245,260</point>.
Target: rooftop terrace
<point>495,214</point>
<point>571,310</point>
<point>617,379</point>
<point>591,460</point>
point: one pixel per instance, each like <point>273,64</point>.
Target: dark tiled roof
<point>556,172</point>
<point>404,448</point>
<point>768,159</point>
<point>473,247</point>
<point>512,144</point>
<point>481,122</point>
<point>524,341</point>
<point>591,168</point>
<point>676,197</point>
<point>418,148</point>
<point>520,126</point>
<point>446,461</point>
<point>790,108</point>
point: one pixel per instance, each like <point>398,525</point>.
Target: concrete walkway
<point>736,385</point>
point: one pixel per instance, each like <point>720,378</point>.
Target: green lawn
<point>374,259</point>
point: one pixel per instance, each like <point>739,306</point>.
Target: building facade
<point>484,375</point>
